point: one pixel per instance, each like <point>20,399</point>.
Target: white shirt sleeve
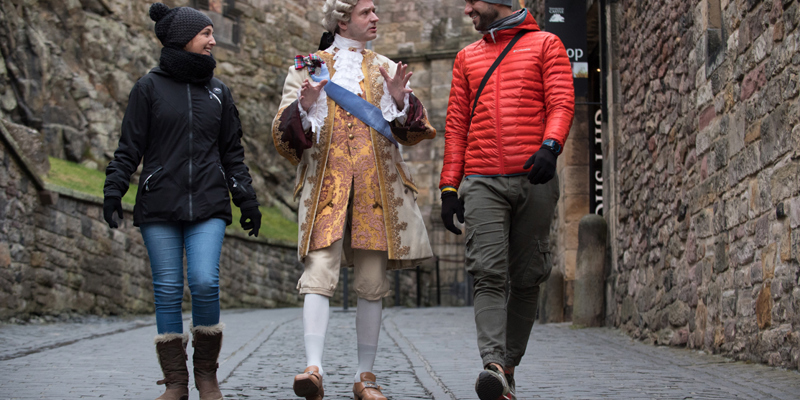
<point>389,108</point>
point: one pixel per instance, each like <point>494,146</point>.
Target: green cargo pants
<point>508,230</point>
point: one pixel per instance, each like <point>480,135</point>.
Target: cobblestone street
<point>423,354</point>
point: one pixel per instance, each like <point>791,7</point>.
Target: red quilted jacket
<point>529,98</point>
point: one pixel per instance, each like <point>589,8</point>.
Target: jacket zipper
<point>191,139</point>
<point>147,181</point>
<point>497,120</point>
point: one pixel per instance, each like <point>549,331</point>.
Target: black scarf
<point>326,40</point>
<point>186,66</point>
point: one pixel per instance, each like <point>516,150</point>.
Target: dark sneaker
<point>491,385</point>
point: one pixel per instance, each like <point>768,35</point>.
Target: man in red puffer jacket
<point>505,147</point>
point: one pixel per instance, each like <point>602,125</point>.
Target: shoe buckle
<point>370,385</point>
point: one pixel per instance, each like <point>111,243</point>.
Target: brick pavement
<point>423,354</point>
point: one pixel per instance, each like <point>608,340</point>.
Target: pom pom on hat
<point>158,11</point>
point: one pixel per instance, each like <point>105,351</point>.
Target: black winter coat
<point>190,138</point>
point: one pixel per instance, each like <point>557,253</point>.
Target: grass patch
<point>273,224</point>
<point>90,181</point>
<point>81,179</point>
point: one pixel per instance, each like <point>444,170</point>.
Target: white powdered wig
<point>335,11</point>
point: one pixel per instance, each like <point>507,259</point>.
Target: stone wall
<point>703,151</point>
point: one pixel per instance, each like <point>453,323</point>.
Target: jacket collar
<point>509,26</point>
<point>341,42</point>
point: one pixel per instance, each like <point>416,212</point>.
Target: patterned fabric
<point>312,62</point>
<point>351,164</point>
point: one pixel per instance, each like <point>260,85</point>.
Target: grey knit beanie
<point>501,2</point>
<point>178,26</point>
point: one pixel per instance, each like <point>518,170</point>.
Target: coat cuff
<point>249,204</point>
<point>292,132</point>
<point>415,122</point>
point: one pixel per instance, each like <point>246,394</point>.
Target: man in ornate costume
<point>343,112</point>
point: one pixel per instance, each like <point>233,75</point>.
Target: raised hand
<point>397,84</point>
<point>309,93</point>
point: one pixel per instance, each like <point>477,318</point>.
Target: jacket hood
<point>500,32</point>
<point>158,71</point>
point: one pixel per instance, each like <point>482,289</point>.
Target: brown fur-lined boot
<point>171,351</point>
<point>207,342</point>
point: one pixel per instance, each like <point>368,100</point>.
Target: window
<point>226,21</point>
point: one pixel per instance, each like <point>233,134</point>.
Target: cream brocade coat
<point>406,237</point>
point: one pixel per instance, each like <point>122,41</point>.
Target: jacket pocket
<point>151,178</point>
<point>300,182</point>
<point>472,254</point>
<point>540,265</point>
<point>159,197</point>
<point>405,176</point>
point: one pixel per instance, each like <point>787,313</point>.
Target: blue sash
<point>355,105</point>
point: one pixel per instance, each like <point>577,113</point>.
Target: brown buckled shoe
<point>367,389</point>
<point>309,384</point>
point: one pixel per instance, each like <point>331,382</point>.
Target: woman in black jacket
<point>183,123</point>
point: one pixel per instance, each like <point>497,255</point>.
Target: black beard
<point>486,19</point>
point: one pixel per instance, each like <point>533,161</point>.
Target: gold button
<point>351,136</point>
<point>349,124</point>
<point>376,205</point>
<point>348,114</point>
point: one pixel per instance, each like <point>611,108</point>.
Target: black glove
<point>111,205</point>
<point>544,166</point>
<point>254,224</point>
<point>452,205</point>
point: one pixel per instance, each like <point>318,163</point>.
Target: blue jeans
<point>165,242</point>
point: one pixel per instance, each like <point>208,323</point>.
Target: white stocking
<point>368,328</point>
<point>316,312</point>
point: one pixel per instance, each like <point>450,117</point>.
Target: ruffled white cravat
<point>348,55</point>
<point>348,63</point>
